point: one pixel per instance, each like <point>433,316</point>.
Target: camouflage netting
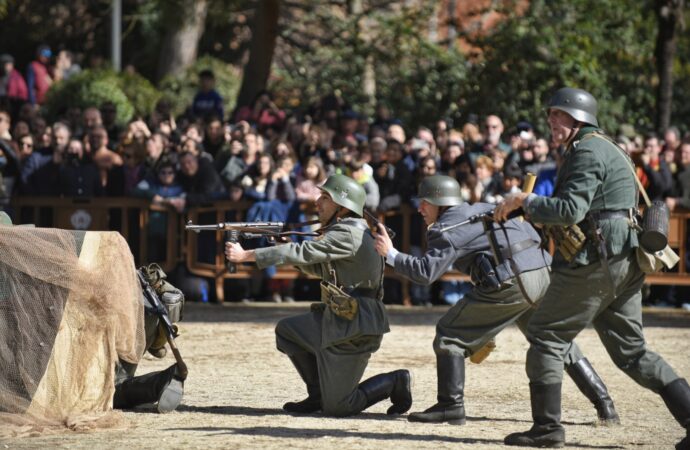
<point>70,305</point>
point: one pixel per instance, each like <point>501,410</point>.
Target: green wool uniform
<point>595,177</point>
<point>341,347</point>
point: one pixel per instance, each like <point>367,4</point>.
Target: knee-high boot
<point>164,388</point>
<point>592,386</point>
<point>450,373</point>
<point>676,395</point>
<point>396,385</point>
<point>547,431</point>
<point>306,366</point>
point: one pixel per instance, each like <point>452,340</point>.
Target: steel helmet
<point>346,192</point>
<point>5,219</point>
<point>440,190</point>
<point>579,104</point>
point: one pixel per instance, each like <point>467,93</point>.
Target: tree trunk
<point>181,42</point>
<point>669,20</point>
<point>263,43</point>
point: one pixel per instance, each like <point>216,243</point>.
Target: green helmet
<point>5,219</point>
<point>346,192</point>
<point>579,104</point>
<point>440,190</point>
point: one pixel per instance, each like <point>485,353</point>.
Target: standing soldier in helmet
<point>596,279</point>
<point>330,346</point>
<point>510,273</point>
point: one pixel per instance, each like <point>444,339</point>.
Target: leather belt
<point>605,214</point>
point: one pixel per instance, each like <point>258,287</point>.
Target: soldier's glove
<point>480,355</point>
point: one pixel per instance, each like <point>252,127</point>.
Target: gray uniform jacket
<point>458,248</point>
<point>349,247</point>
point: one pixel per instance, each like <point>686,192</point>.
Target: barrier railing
<point>203,256</point>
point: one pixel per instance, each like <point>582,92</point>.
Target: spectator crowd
<point>277,158</point>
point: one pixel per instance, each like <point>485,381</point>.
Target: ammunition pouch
<point>483,273</point>
<point>569,240</point>
<point>338,301</point>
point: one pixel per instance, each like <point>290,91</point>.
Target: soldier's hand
<point>235,253</point>
<point>507,206</point>
<point>383,241</point>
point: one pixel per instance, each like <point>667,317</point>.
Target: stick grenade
<point>528,185</point>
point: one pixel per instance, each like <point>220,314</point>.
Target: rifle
<point>156,307</point>
<point>251,230</point>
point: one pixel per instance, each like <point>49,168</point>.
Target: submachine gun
<point>274,231</point>
<point>156,307</point>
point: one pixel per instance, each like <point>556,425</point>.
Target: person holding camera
<point>596,278</point>
<point>510,274</point>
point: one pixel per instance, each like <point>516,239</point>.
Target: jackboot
<point>163,388</point>
<point>547,431</point>
<point>305,363</point>
<point>676,395</point>
<point>589,383</point>
<point>396,385</point>
<point>450,374</point>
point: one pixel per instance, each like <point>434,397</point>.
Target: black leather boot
<point>676,395</point>
<point>547,431</point>
<point>396,385</point>
<point>164,388</point>
<point>589,383</point>
<point>305,363</point>
<point>450,373</point>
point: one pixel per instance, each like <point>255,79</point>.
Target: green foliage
<point>418,79</point>
<point>139,91</point>
<point>603,46</point>
<point>89,88</point>
<point>180,90</point>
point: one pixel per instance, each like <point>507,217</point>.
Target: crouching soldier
<point>331,345</point>
<point>164,388</point>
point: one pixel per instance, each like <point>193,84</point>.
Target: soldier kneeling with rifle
<point>331,345</point>
<point>163,304</point>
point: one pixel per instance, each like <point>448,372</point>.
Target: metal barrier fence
<point>157,234</point>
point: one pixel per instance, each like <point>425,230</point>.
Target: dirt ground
<point>238,382</point>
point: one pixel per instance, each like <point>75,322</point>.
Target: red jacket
<point>39,81</point>
<point>16,86</point>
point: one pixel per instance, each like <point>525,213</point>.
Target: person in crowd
<point>393,178</point>
<point>214,136</point>
<point>207,101</point>
<point>199,180</point>
<point>13,88</point>
<point>262,112</point>
<point>652,170</point>
<point>487,180</point>
<point>98,151</point>
<point>78,176</point>
<point>39,172</point>
<point>310,178</point>
<point>39,76</point>
<point>25,144</point>
<point>65,65</point>
<point>493,135</point>
<point>122,180</point>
